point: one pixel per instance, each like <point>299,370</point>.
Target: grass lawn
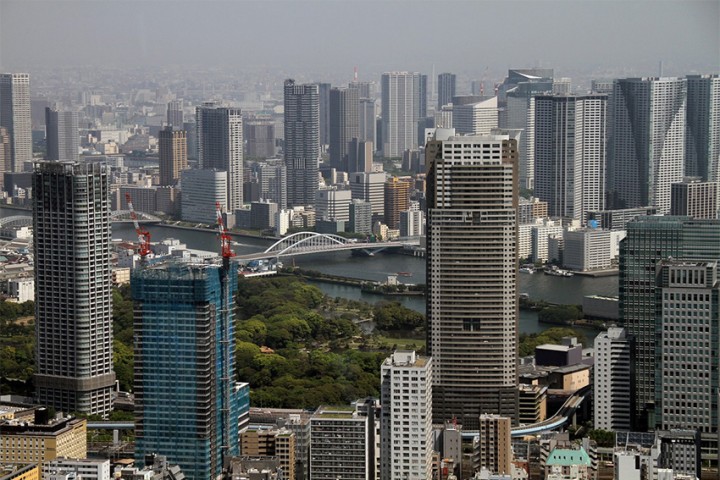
<point>402,343</point>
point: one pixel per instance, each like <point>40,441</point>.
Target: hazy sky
<point>375,35</point>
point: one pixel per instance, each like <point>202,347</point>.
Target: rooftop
<point>567,457</point>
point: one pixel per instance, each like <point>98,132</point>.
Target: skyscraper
<point>472,302</point>
<point>62,136</point>
<point>401,99</point>
<point>397,199</point>
<point>15,117</point>
<point>220,146</point>
<point>302,150</point>
<point>175,114</point>
<point>73,281</point>
<point>344,124</point>
<point>646,148</point>
<point>406,448</point>
<point>324,113</point>
<point>186,405</point>
<point>173,154</point>
<point>570,154</point>
<point>478,118</point>
<point>446,89</point>
<point>702,138</point>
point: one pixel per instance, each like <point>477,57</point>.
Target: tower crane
<point>143,235</point>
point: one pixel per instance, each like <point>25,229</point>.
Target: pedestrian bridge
<point>303,243</point>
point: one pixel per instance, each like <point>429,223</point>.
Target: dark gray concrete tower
<point>302,147</point>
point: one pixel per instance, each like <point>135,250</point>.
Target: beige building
<point>533,404</point>
<point>271,443</point>
<point>173,155</point>
<point>492,448</point>
<point>30,443</point>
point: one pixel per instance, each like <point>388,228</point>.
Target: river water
<point>377,268</point>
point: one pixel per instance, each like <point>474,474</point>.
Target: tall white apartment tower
<point>73,287</point>
<point>646,148</point>
<point>15,117</point>
<point>406,417</point>
<point>570,154</point>
<point>302,142</point>
<point>400,103</point>
<point>220,147</point>
<point>702,138</point>
<point>472,301</point>
<point>611,387</point>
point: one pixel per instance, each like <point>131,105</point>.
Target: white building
<point>201,191</point>
<point>475,118</point>
<point>539,237</point>
<point>333,204</point>
<point>612,387</point>
<point>21,289</point>
<point>369,187</point>
<point>587,249</point>
<point>412,223</point>
<point>406,419</point>
<point>87,469</point>
<point>15,117</point>
<point>400,112</point>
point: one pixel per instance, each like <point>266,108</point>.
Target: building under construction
<point>188,405</point>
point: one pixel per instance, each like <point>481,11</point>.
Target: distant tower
<point>570,154</point>
<point>324,113</point>
<point>446,89</point>
<point>401,109</point>
<point>302,150</point>
<point>61,132</point>
<point>181,362</point>
<point>220,146</point>
<point>646,148</point>
<point>702,139</point>
<point>344,124</point>
<point>175,114</point>
<point>472,301</point>
<point>173,155</point>
<point>15,117</point>
<point>73,282</point>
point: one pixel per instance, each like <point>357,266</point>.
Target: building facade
<point>302,147</point>
<point>23,442</point>
<point>478,118</point>
<point>612,400</point>
<point>492,448</point>
<point>172,146</point>
<point>369,187</point>
<point>15,117</point>
<point>472,302</point>
<point>445,89</point>
<point>401,109</point>
<point>695,198</point>
<point>397,199</point>
<point>344,125</point>
<point>702,135</point>
<point>73,281</point>
<point>62,135</point>
<point>201,191</point>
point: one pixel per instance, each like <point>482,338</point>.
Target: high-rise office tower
<point>173,154</point>
<point>187,405</point>
<point>650,240</point>
<point>472,301</point>
<point>370,187</point>
<point>259,136</point>
<point>401,99</point>
<point>324,113</point>
<point>62,136</point>
<point>702,137</point>
<point>365,89</point>
<point>360,156</point>
<point>220,146</point>
<point>5,151</point>
<point>445,89</point>
<point>478,118</point>
<point>368,120</point>
<point>302,150</point>
<point>695,198</point>
<point>570,153</point>
<point>406,448</point>
<point>423,91</point>
<point>344,124</point>
<point>15,117</point>
<point>397,199</point>
<point>73,282</point>
<point>175,116</point>
<point>646,147</point>
<point>611,401</point>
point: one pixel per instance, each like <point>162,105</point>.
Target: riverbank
<point>375,288</point>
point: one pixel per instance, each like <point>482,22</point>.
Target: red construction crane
<point>225,239</point>
<point>143,235</point>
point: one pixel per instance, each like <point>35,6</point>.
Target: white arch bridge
<point>118,216</point>
<point>304,243</point>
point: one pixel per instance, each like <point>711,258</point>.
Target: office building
<point>587,249</point>
<point>278,443</point>
<point>175,115</point>
<point>333,204</point>
<point>220,147</point>
<point>702,135</point>
<point>201,191</point>
<point>323,90</point>
<point>172,146</point>
<point>611,401</point>
<point>369,187</point>
<point>259,138</point>
<point>406,448</point>
<point>61,135</point>
<point>570,154</point>
<point>618,219</point>
<point>540,232</point>
<point>650,240</point>
<point>187,405</point>
<point>412,223</point>
<point>680,452</point>
<point>397,199</point>
<point>360,217</point>
<point>272,178</point>
<point>445,89</point>
<point>472,303</point>
<point>478,118</point>
<point>401,110</point>
<point>85,468</point>
<point>73,281</point>
<point>37,442</point>
<point>344,125</point>
<point>532,403</point>
<point>360,156</point>
<point>367,123</point>
<point>15,117</point>
<point>695,198</point>
<point>646,147</point>
<point>492,449</point>
<point>302,150</point>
